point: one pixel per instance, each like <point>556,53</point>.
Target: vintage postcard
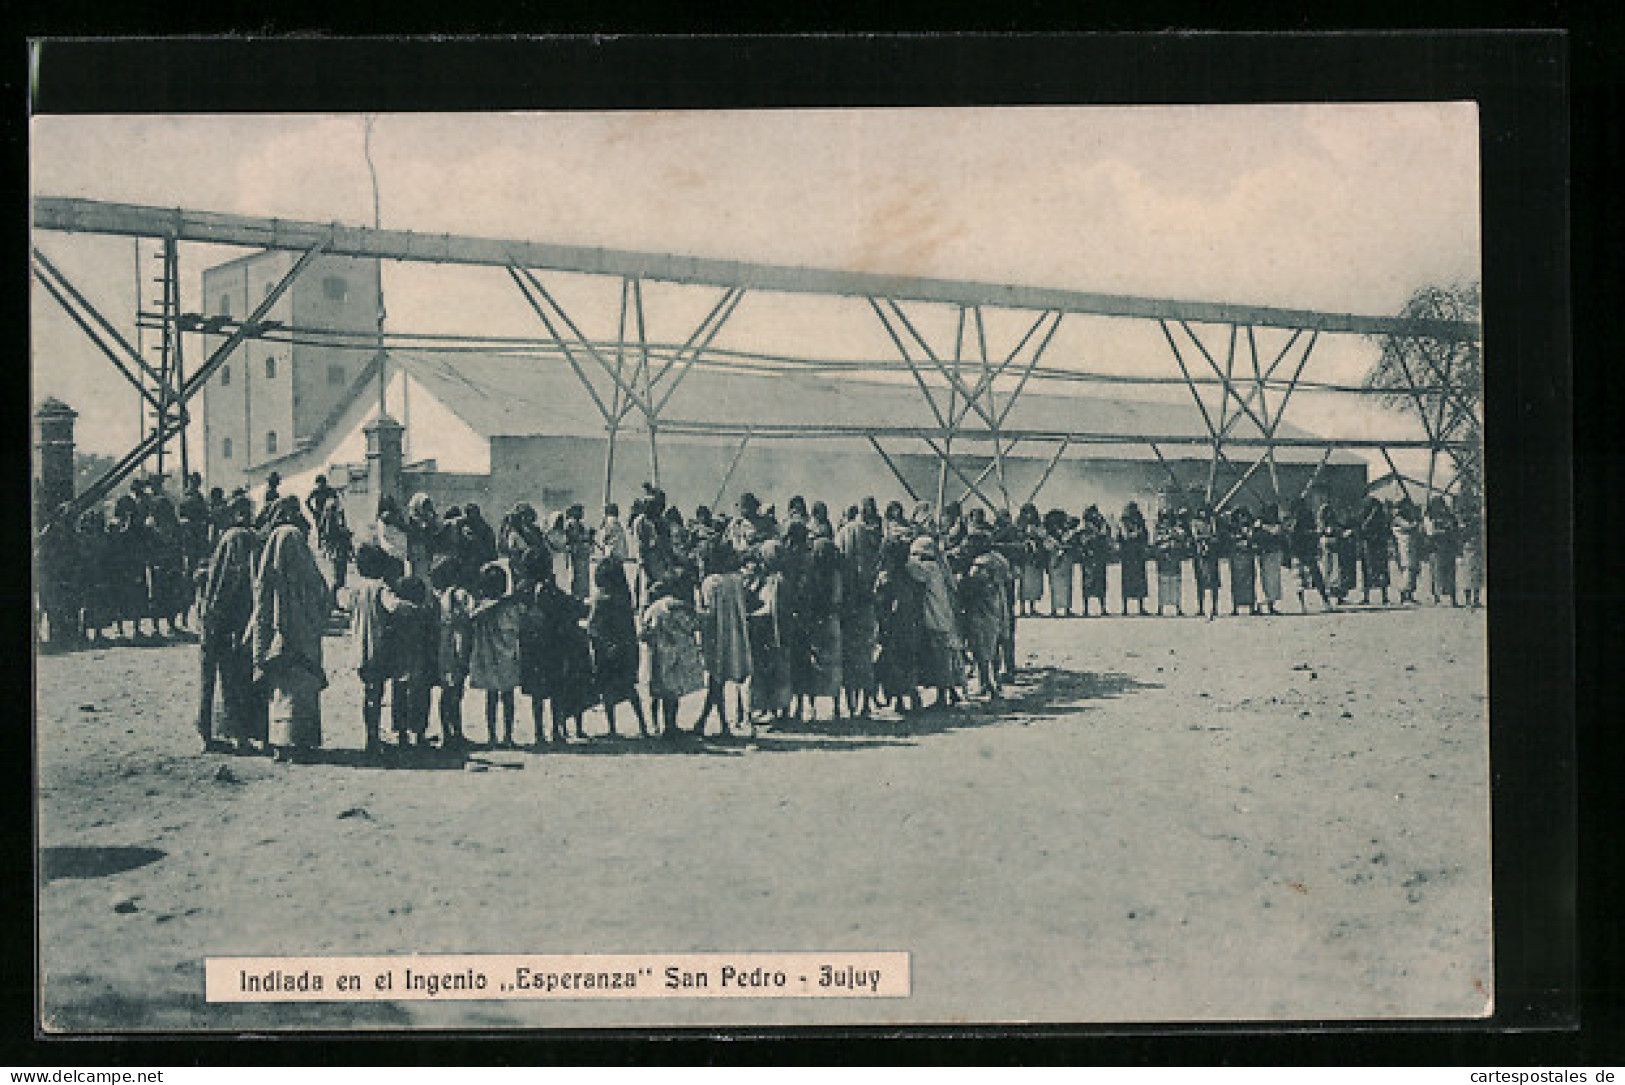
<point>760,568</point>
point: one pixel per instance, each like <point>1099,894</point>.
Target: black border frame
<point>1519,79</point>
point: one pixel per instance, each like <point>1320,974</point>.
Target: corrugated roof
<point>516,396</point>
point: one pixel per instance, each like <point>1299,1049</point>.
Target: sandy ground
<point>1168,820</point>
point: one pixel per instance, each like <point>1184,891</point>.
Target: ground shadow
<point>1037,694</point>
<point>79,861</point>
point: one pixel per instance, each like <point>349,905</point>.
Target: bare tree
<point>1440,382</point>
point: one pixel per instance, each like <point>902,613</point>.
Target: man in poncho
<point>291,608</point>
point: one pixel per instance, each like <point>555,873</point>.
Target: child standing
<point>493,663</point>
<point>376,634</point>
<point>556,660</point>
<point>612,632</point>
<point>1168,546</point>
<point>417,660</point>
<point>676,665</point>
<point>455,627</point>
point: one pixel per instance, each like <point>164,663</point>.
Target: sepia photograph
<point>760,567</point>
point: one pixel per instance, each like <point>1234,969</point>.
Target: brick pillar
<point>384,456</point>
<point>53,443</point>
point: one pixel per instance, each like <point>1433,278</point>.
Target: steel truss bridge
<point>960,387</point>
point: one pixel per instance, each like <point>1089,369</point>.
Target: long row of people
<point>877,610</point>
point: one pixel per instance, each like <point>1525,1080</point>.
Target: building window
<point>270,442</point>
<point>334,288</point>
<point>225,305</point>
<point>336,374</point>
<point>225,374</point>
<point>270,366</point>
<point>225,449</point>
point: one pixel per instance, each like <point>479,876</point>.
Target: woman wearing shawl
<point>1469,519</point>
<point>612,632</point>
<point>1062,555</point>
<point>291,609</point>
<point>1030,570</point>
<point>555,657</point>
<point>1170,545</point>
<point>1133,544</point>
<point>724,631</point>
<point>859,543</point>
<point>942,659</point>
<point>1375,532</point>
<point>1443,538</point>
<point>1330,526</point>
<point>899,616</point>
<point>1205,554</point>
<point>1407,528</point>
<point>519,532</point>
<point>1303,545</point>
<point>676,665</point>
<point>985,607</point>
<point>422,526</point>
<point>1094,549</point>
<point>1243,572</point>
<point>225,605</point>
<point>1269,541</point>
<point>389,529</point>
<point>770,680</point>
<point>822,601</point>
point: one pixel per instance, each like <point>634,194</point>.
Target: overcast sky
<point>1346,208</point>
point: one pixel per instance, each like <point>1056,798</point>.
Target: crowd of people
<point>877,609</point>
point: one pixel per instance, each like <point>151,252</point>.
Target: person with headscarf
<point>494,662</point>
<point>1062,553</point>
<point>1239,553</point>
<point>422,526</point>
<point>97,594</point>
<point>1407,531</point>
<point>378,635</point>
<point>1330,527</point>
<point>724,614</point>
<point>900,627</point>
<point>821,618</point>
<point>983,605</point>
<point>1170,545</point>
<point>1206,553</point>
<point>1375,534</point>
<point>1303,546</point>
<point>519,531</point>
<point>1133,547</point>
<point>770,681</point>
<point>612,537</point>
<point>612,632</point>
<point>334,538</point>
<point>57,566</point>
<point>1030,569</point>
<point>265,521</point>
<point>1269,543</point>
<point>193,513</point>
<point>820,527</point>
<point>942,658</point>
<point>859,543</point>
<point>480,540</point>
<point>1443,534</point>
<point>1094,550</point>
<point>389,529</point>
<point>291,608</point>
<point>670,631</point>
<point>555,657</point>
<point>225,643</point>
<point>1470,522</point>
<point>895,525</point>
<point>454,620</point>
<point>578,551</point>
